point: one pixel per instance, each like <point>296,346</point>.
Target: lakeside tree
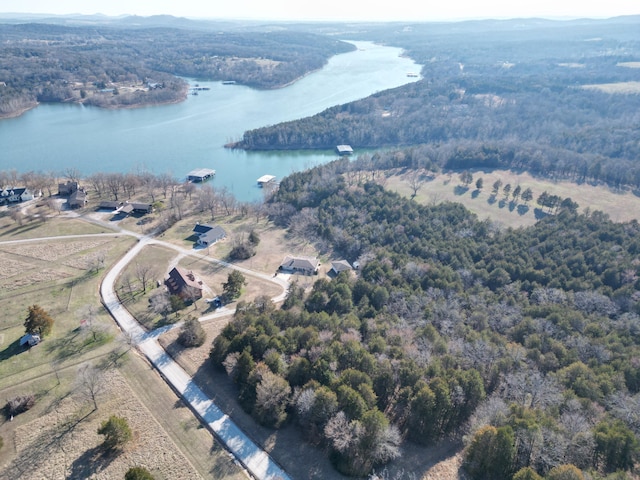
<point>38,321</point>
<point>116,432</point>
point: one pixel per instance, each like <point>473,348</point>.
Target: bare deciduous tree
<point>144,274</point>
<point>90,383</point>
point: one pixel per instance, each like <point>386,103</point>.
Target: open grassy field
<point>58,438</point>
<point>619,205</point>
<point>619,87</point>
<point>63,276</point>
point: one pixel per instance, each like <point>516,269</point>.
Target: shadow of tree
<point>523,209</point>
<point>539,214</point>
<point>512,206</point>
<point>27,463</point>
<point>12,349</point>
<point>91,462</point>
<point>502,203</point>
<point>492,199</point>
<point>475,193</point>
<point>460,190</point>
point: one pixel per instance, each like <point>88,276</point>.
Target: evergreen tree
<point>38,321</point>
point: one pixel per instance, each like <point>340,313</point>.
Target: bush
<point>138,473</point>
<point>20,404</point>
<point>116,432</point>
<point>192,334</point>
<point>242,251</point>
<point>1,443</point>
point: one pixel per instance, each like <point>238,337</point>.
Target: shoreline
<point>18,113</point>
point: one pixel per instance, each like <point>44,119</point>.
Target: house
<point>304,265</point>
<point>130,207</point>
<point>109,205</point>
<point>77,199</point>
<point>15,195</point>
<point>30,340</point>
<point>344,150</point>
<point>184,283</point>
<point>208,234</point>
<point>340,266</point>
<point>68,188</point>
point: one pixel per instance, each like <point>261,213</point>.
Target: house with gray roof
<point>303,265</point>
<point>208,234</point>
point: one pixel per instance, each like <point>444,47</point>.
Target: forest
<point>123,66</point>
<point>513,94</point>
<point>523,345</point>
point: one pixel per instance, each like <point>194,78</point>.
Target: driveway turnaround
<point>257,462</point>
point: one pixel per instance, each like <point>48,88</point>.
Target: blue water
<point>179,138</point>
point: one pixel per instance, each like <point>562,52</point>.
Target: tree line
<point>522,344</point>
<point>52,63</point>
<point>495,95</point>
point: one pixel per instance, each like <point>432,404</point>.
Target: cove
<point>181,137</point>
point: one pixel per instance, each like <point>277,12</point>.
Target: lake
<point>181,137</point>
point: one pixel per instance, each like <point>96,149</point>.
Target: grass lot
<point>619,205</point>
<point>63,276</point>
<point>619,87</point>
<point>58,438</point>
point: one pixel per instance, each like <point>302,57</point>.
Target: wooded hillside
<point>515,94</point>
<point>118,67</point>
<point>450,329</point>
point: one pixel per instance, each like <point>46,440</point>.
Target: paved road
<point>256,461</point>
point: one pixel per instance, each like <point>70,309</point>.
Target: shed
<point>29,340</point>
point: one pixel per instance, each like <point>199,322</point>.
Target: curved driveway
<point>255,460</point>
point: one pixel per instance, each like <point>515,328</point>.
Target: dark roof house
<point>184,283</point>
<point>304,265</point>
<point>211,236</point>
<point>109,205</point>
<point>340,266</point>
<point>129,207</point>
<point>77,199</point>
<point>68,188</point>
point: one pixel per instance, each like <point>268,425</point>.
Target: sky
<point>339,10</point>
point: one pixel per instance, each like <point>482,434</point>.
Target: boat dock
<point>200,175</point>
<point>265,179</point>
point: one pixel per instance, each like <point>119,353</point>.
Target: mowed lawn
<point>621,206</point>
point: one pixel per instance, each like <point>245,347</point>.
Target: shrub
<point>192,334</point>
<point>138,473</point>
<point>242,251</point>
<point>20,404</point>
<point>116,432</point>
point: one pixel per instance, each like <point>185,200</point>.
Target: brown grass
<point>619,205</point>
<point>618,87</point>
<point>64,443</point>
